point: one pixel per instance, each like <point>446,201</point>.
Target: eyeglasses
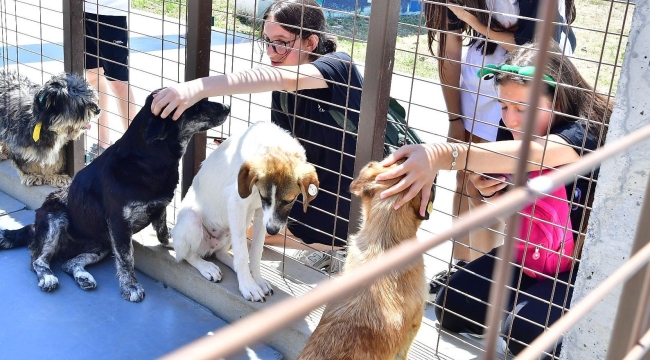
<point>280,47</point>
<point>489,71</point>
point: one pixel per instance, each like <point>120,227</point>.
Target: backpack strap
<point>341,121</point>
<point>284,102</point>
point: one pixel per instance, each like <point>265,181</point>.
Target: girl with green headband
<point>571,120</point>
<point>492,28</point>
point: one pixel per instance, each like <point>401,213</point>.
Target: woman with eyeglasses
<point>308,78</point>
<point>571,121</point>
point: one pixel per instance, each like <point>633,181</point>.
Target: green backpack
<point>397,131</point>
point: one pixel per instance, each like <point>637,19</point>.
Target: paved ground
<point>70,323</point>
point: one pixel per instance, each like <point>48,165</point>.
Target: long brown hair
<point>436,18</point>
<point>575,99</point>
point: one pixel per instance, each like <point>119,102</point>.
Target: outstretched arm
<point>424,161</point>
<point>505,39</point>
<point>289,78</point>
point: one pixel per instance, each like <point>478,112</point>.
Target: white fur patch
<point>137,211</point>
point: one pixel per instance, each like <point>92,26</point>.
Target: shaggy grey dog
<point>36,121</point>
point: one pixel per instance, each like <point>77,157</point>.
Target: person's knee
<point>120,88</point>
<point>93,76</point>
<point>446,313</point>
<point>522,332</point>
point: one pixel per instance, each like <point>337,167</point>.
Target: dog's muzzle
<point>272,230</point>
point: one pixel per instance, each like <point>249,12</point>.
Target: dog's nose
<point>272,230</point>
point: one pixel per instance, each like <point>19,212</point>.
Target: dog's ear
<point>246,179</point>
<point>157,129</point>
<point>364,185</point>
<point>308,183</point>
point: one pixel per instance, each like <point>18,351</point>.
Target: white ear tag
<point>312,190</point>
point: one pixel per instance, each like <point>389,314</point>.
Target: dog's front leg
<point>247,284</point>
<point>159,223</point>
<point>120,233</point>
<point>257,247</point>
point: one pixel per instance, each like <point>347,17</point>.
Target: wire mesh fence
<point>432,84</point>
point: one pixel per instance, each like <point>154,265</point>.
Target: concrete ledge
<point>32,196</point>
<point>224,298</point>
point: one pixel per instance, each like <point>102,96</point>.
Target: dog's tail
<point>10,239</point>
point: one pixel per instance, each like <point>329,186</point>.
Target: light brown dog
<point>380,321</point>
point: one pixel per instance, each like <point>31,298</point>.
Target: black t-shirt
<point>323,140</point>
<point>581,191</point>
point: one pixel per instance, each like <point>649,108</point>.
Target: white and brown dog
<point>378,322</point>
<point>256,176</point>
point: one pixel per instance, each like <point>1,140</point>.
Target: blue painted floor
<point>71,323</point>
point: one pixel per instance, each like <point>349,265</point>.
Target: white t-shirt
<point>477,96</point>
<point>107,7</point>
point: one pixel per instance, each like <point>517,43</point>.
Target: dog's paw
<point>264,285</point>
<point>58,180</point>
<point>252,292</point>
<point>48,283</point>
<point>32,180</point>
<point>164,236</point>
<point>85,281</point>
<point>210,271</point>
<point>133,292</point>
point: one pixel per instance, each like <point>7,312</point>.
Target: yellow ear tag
<point>37,131</point>
<point>430,207</point>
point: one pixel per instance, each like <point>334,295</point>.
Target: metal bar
<point>73,62</point>
<point>632,315</point>
<point>380,56</point>
<point>197,64</point>
<point>640,349</point>
<point>503,271</point>
<point>578,311</point>
<point>256,326</point>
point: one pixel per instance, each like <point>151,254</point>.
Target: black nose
<point>272,230</point>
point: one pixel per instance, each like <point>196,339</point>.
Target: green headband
<point>490,70</point>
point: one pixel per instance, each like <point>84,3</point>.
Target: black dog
<point>36,121</point>
<point>117,195</point>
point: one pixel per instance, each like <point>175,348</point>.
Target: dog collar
<point>37,131</point>
<point>429,209</point>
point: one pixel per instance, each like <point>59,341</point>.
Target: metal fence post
<point>73,58</point>
<point>380,56</point>
<point>197,64</point>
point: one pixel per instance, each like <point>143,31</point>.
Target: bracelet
<point>454,153</point>
<point>487,197</point>
<point>455,119</point>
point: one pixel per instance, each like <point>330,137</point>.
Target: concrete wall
<point>618,197</point>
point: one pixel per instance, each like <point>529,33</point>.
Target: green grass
<point>597,54</point>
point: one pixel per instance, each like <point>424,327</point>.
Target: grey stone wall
<point>618,197</point>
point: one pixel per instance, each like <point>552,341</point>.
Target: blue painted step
<point>71,323</point>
